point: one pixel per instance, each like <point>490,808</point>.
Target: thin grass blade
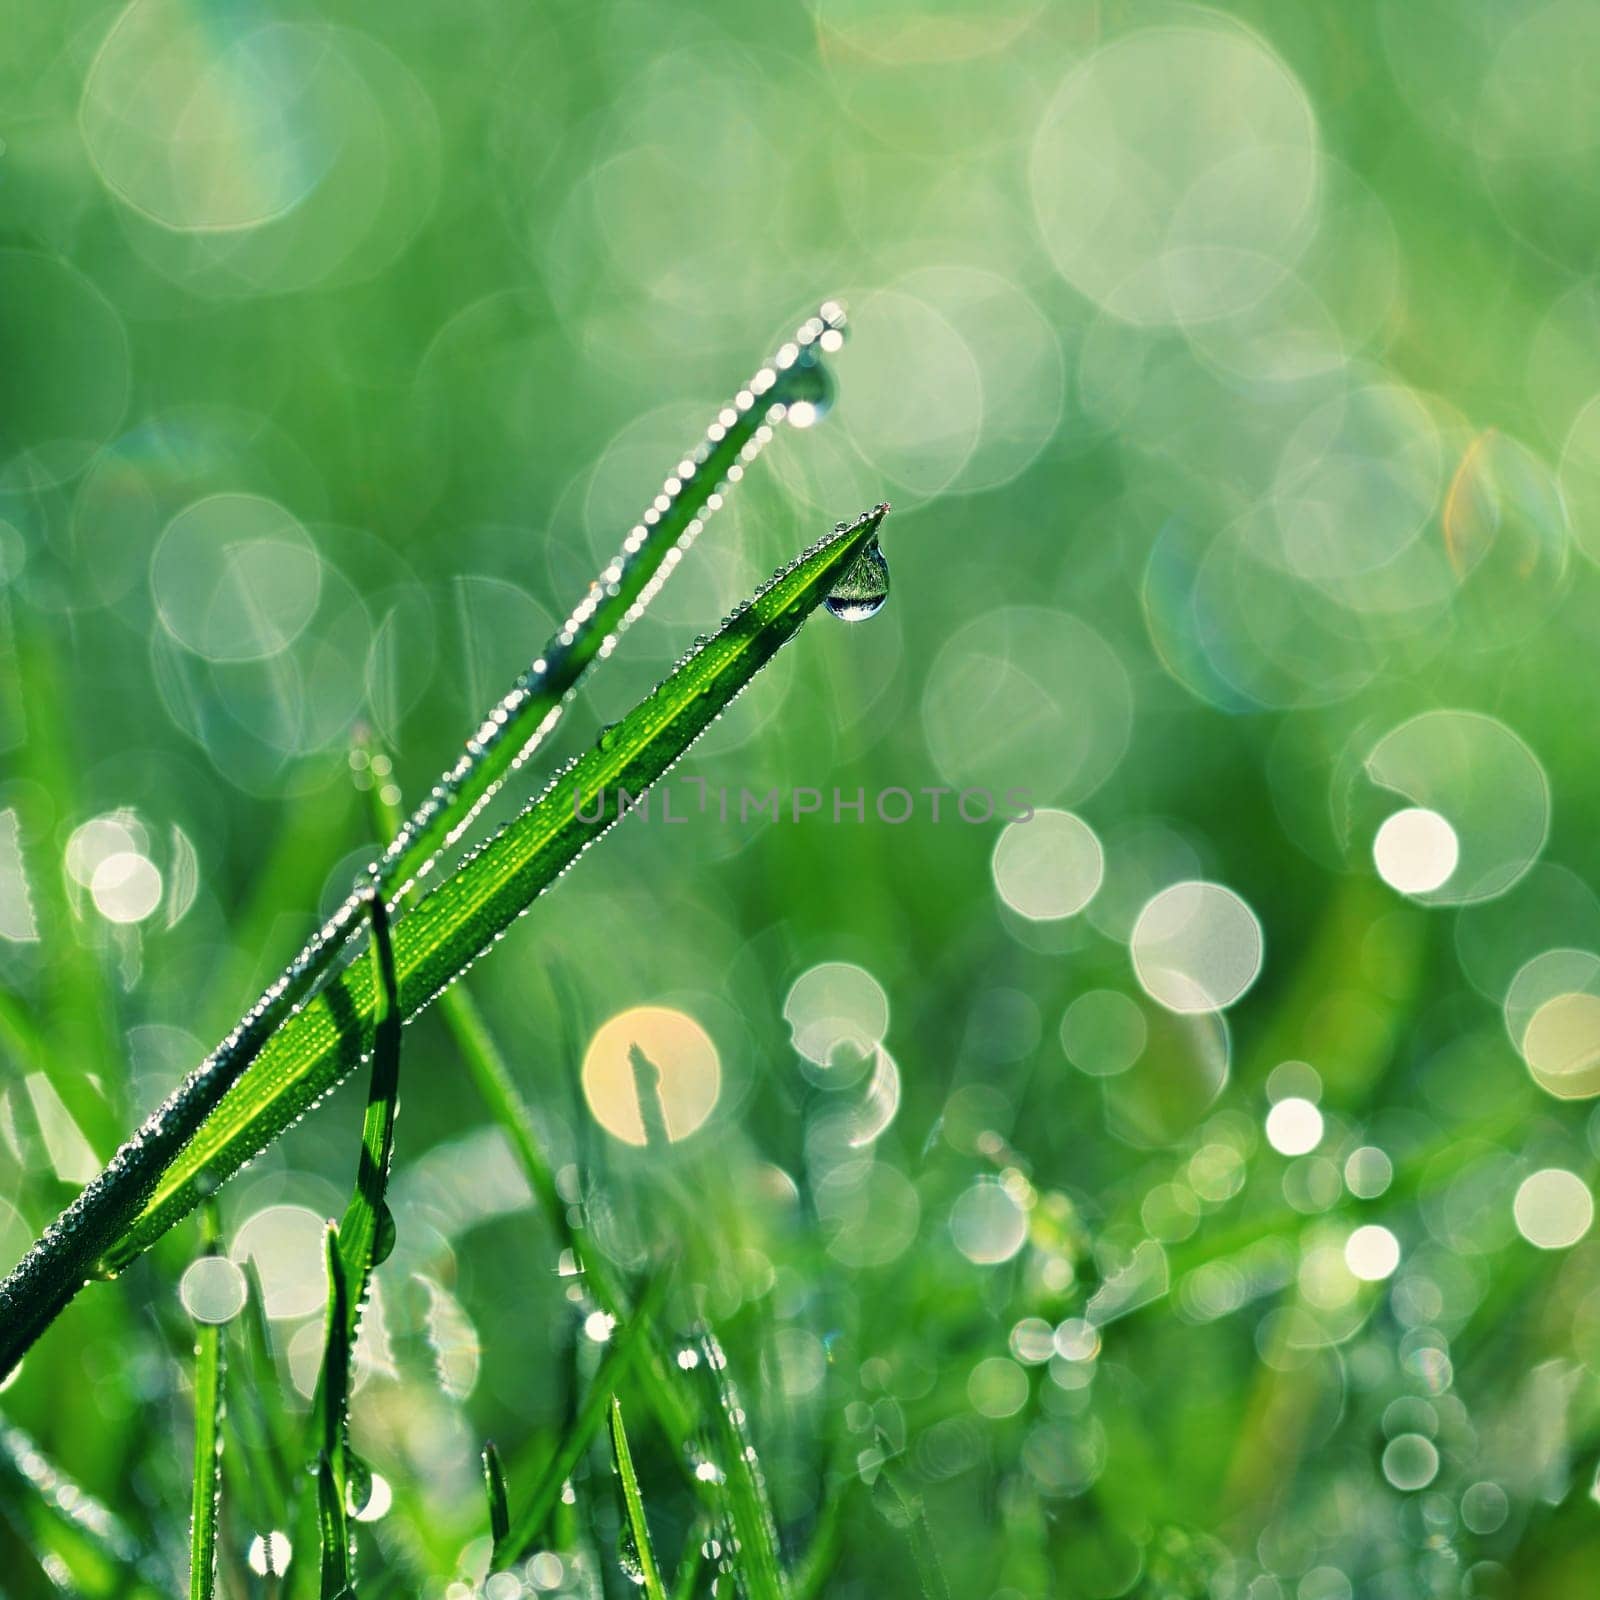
<point>626,1342</point>
<point>494,1488</point>
<point>749,1507</point>
<point>649,1575</point>
<point>208,1375</point>
<point>334,1401</point>
<point>442,936</point>
<point>332,1526</point>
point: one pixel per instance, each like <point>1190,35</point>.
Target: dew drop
<point>863,588</point>
<point>808,393</point>
<point>628,1556</point>
<point>608,736</point>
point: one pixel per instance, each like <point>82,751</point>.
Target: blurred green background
<point>1200,1203</point>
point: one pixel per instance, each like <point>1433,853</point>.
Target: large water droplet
<point>863,587</point>
<point>809,393</point>
<point>628,1556</point>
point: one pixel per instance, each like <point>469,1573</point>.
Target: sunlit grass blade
<point>626,1342</point>
<point>435,942</point>
<point>494,1488</point>
<point>208,1375</point>
<point>649,1575</point>
<point>749,1507</point>
<point>52,1272</point>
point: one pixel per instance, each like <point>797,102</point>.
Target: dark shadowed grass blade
<point>208,1368</point>
<point>441,937</point>
<point>626,1342</point>
<point>494,1488</point>
<point>648,1576</point>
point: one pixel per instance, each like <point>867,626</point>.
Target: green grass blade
<point>626,1342</point>
<point>50,1274</point>
<point>334,1400</point>
<point>208,1372</point>
<point>437,940</point>
<point>494,1488</point>
<point>332,1529</point>
<point>749,1508</point>
<point>633,1502</point>
<point>521,721</point>
<point>910,1513</point>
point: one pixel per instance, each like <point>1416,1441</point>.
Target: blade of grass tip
<point>35,1292</point>
<point>749,1506</point>
<point>208,1363</point>
<point>494,1488</point>
<point>626,1341</point>
<point>441,937</point>
<point>649,1575</point>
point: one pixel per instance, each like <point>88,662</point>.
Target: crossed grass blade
<point>446,932</point>
<point>51,1273</point>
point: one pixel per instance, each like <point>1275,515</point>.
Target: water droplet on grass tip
<point>864,587</point>
<point>808,393</point>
